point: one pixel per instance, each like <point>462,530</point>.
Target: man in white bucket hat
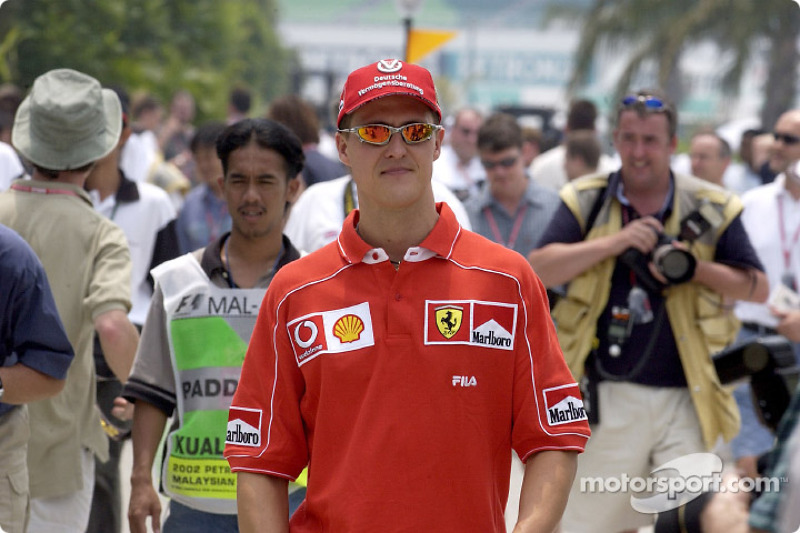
<point>66,123</point>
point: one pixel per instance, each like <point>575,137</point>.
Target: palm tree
<point>660,32</point>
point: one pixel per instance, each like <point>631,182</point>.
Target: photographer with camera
<point>649,256</point>
<point>772,218</point>
<point>768,363</point>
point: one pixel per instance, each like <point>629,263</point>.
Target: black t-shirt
<point>663,367</point>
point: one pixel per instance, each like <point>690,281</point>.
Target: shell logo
<point>348,328</point>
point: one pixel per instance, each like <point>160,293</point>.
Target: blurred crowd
<point>163,186</point>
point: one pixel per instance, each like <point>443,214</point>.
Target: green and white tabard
<point>209,330</point>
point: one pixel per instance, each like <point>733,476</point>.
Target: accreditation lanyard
<point>44,190</point>
<point>626,218</point>
<point>515,228</point>
<point>786,249</point>
<point>215,224</point>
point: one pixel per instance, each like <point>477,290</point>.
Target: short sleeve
<point>110,284</point>
<point>265,427</point>
<point>152,377</point>
<point>39,339</point>
<point>563,227</point>
<point>548,408</point>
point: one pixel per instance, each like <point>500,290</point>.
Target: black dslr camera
<point>675,264</point>
<point>770,364</point>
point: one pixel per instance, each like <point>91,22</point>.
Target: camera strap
<point>596,206</point>
<point>648,351</point>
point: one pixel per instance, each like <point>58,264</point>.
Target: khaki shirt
<point>88,266</point>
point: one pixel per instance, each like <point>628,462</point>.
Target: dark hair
<point>583,144</point>
<point>531,134</point>
<point>297,115</point>
<point>125,103</point>
<point>6,119</point>
<point>724,146</point>
<point>145,103</point>
<point>667,109</point>
<point>10,97</point>
<point>52,174</point>
<point>206,135</point>
<point>266,134</point>
<point>752,132</point>
<point>499,132</point>
<point>582,115</point>
<point>240,99</point>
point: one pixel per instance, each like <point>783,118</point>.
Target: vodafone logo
<point>388,66</point>
<point>305,333</point>
<point>330,332</point>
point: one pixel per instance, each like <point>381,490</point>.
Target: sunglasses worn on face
<point>650,103</point>
<point>381,134</point>
<point>786,138</point>
<point>508,162</point>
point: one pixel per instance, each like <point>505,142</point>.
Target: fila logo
<point>389,65</point>
<point>465,381</point>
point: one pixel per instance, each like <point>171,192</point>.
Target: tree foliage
<point>646,30</point>
<point>205,46</point>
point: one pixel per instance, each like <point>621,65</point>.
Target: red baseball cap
<point>387,77</point>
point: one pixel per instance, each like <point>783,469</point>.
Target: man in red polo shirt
<point>403,362</point>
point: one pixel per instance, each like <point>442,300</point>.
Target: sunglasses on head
<point>650,103</point>
<point>786,138</point>
<point>508,162</point>
<point>381,134</point>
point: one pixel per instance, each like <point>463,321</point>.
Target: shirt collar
<point>127,192</point>
<point>617,186</point>
<point>439,242</point>
<point>72,190</point>
<point>486,199</point>
<point>212,265</point>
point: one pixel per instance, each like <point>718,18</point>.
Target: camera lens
<point>674,264</point>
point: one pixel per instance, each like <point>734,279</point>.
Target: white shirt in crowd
<point>141,221</point>
<point>766,208</point>
<point>10,166</point>
<point>317,217</point>
<point>139,155</point>
<point>464,181</point>
<point>548,167</point>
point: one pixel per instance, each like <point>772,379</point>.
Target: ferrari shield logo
<point>448,319</point>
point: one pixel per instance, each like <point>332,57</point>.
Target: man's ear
<point>124,136</point>
<point>438,139</point>
<point>341,148</point>
<point>293,189</point>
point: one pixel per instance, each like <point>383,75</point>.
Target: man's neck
<point>72,178</point>
<point>647,200</point>
<point>792,186</point>
<point>396,231</point>
<point>215,188</point>
<point>105,179</point>
<point>250,259</point>
<point>511,202</point>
